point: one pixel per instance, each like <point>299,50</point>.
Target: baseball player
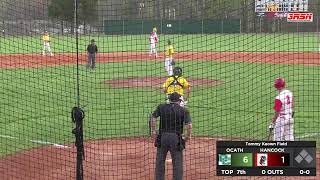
<point>153,39</point>
<point>46,44</point>
<point>92,51</point>
<point>169,62</point>
<point>282,121</point>
<point>177,83</point>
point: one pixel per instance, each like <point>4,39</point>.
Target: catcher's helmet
<point>279,83</point>
<point>177,71</point>
<point>175,97</point>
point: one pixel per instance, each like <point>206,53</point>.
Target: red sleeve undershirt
<point>277,105</point>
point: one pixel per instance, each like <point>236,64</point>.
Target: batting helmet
<point>177,71</point>
<point>279,83</point>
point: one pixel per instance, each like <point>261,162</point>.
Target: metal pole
<point>122,27</point>
<point>79,135</point>
<point>103,26</point>
<point>142,26</point>
<point>222,26</point>
<point>75,17</point>
<point>240,26</point>
<point>260,24</point>
<point>202,26</point>
<point>318,24</point>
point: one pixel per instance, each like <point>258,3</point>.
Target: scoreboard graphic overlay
<point>266,158</point>
<point>264,6</point>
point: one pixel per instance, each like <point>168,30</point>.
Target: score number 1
<point>278,159</point>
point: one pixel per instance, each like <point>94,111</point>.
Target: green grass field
<point>217,42</point>
<point>35,104</point>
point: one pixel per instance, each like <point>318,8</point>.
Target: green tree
<point>314,7</point>
<point>64,10</point>
<point>129,9</point>
<point>219,9</point>
<point>87,10</point>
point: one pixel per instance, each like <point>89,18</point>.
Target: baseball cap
<point>279,83</point>
<point>175,97</point>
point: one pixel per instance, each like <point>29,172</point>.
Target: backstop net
<point>112,58</point>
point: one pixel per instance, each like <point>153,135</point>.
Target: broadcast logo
<point>300,17</point>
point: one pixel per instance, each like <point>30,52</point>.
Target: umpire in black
<point>92,50</point>
<point>173,118</point>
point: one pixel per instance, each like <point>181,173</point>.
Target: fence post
<point>161,26</point>
<point>317,24</point>
<point>201,26</point>
<point>141,26</point>
<point>122,27</point>
<point>221,25</point>
<point>103,25</point>
<point>240,26</point>
<point>260,28</point>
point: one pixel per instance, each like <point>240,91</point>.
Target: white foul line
<point>9,137</point>
<point>37,141</point>
<point>309,135</point>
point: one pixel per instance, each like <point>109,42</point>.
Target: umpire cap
<point>175,97</point>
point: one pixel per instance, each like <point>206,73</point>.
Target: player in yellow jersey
<point>46,44</point>
<point>177,83</point>
<point>169,62</point>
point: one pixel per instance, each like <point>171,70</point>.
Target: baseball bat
<point>270,133</point>
<point>149,124</point>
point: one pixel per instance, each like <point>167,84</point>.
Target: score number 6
<point>245,159</point>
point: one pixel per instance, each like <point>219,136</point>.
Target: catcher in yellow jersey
<point>46,44</point>
<point>169,62</point>
<point>177,83</point>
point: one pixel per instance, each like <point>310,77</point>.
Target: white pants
<point>283,129</point>
<point>153,49</point>
<point>46,48</point>
<point>168,66</point>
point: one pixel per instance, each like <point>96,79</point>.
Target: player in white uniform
<point>153,39</point>
<point>283,117</point>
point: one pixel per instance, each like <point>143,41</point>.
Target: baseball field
<point>232,98</point>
